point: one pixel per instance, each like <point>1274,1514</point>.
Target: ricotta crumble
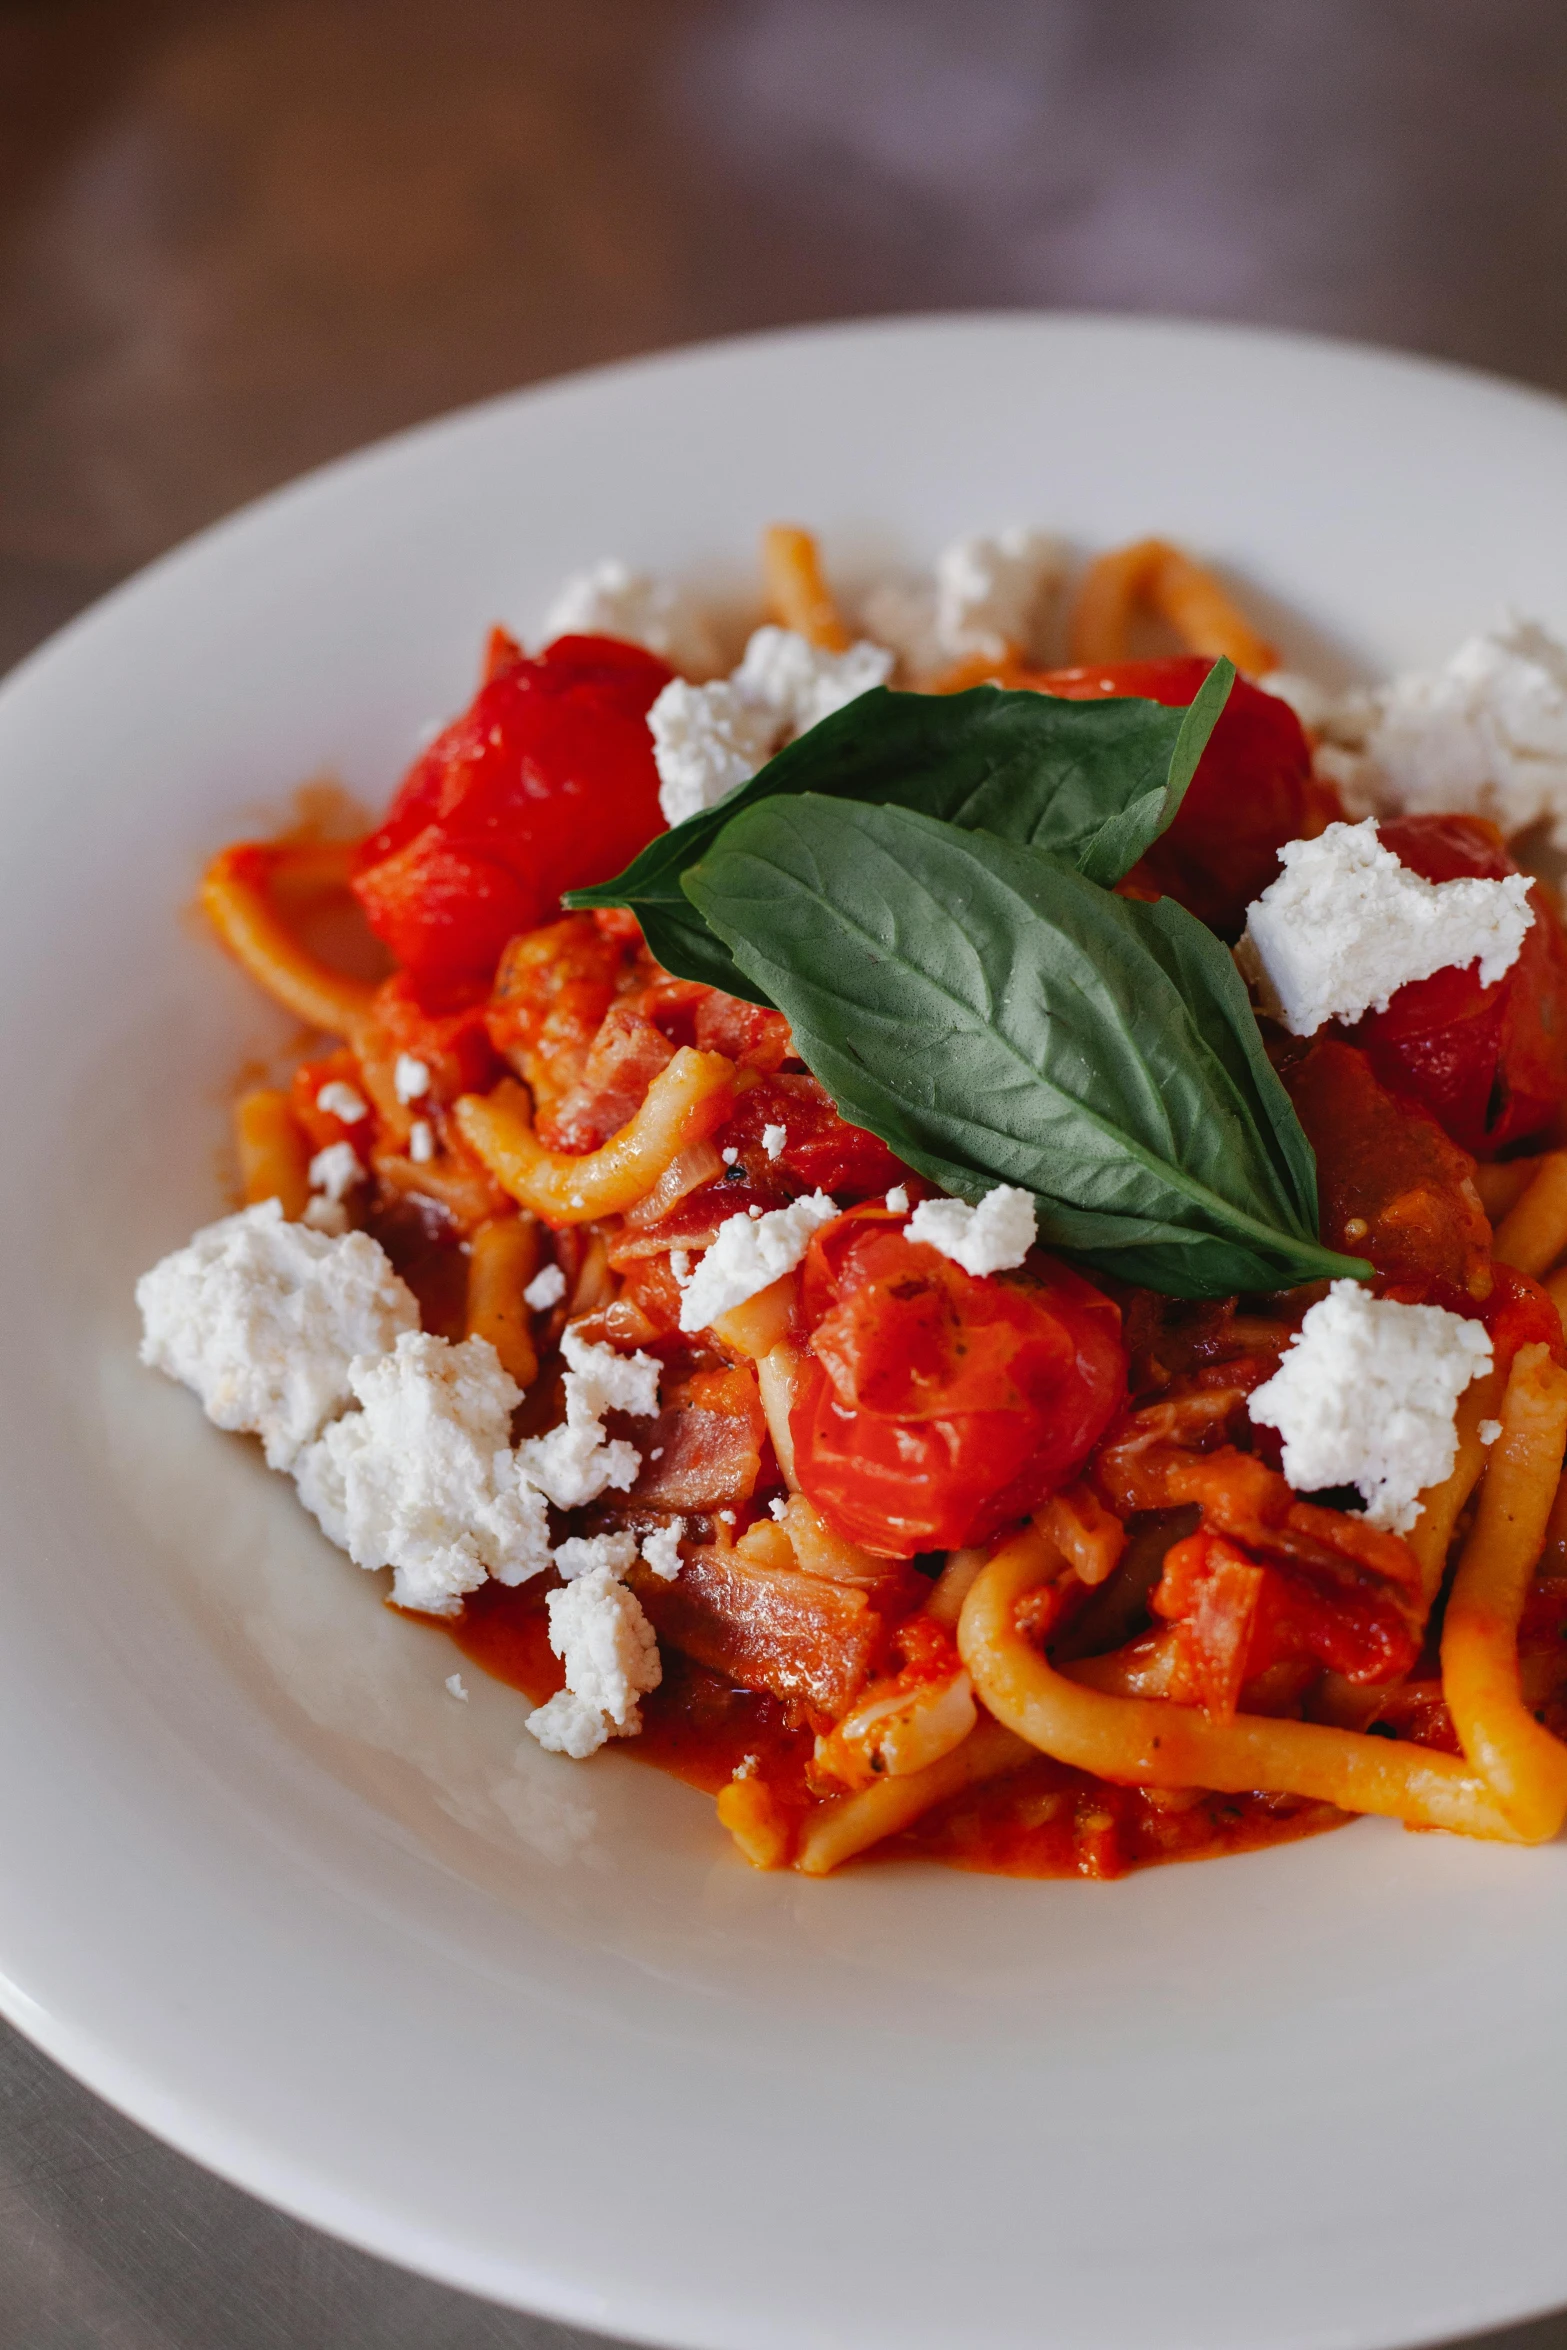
<point>1366,1395</point>
<point>747,1254</point>
<point>576,1462</point>
<point>610,599</point>
<point>993,1237</point>
<point>610,1651</point>
<point>262,1319</point>
<point>707,739</point>
<point>1346,925</point>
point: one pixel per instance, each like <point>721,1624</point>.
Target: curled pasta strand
<point>1525,1765</point>
<point>503,1256</point>
<point>274,1162</point>
<point>850,1824</point>
<point>1158,578</point>
<point>1146,1742</point>
<point>1431,1536</point>
<point>684,1102</point>
<point>238,896</point>
<point>798,596</point>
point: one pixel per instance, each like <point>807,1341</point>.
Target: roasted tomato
<point>1252,792</point>
<point>812,1145</point>
<point>546,783</point>
<point>1489,1063</point>
<point>936,1407</point>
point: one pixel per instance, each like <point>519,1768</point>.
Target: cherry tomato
<point>1252,792</point>
<point>937,1407</point>
<point>546,783</point>
<point>1489,1063</point>
<point>818,1149</point>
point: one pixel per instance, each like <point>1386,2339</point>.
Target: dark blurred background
<point>240,236</point>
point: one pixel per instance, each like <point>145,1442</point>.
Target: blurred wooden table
<point>240,236</point>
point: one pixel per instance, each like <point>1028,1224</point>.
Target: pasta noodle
<point>1440,1509</point>
<point>1144,1742</point>
<point>273,1161</point>
<point>684,1102</point>
<point>1534,1233</point>
<point>1153,575</point>
<point>798,596</point>
<point>237,897</point>
<point>849,1824</point>
<point>503,1257</point>
<point>1525,1765</point>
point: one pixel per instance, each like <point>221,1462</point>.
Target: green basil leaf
<point>1096,782</point>
<point>997,1018</point>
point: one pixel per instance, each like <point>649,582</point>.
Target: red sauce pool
<point>1045,1820</point>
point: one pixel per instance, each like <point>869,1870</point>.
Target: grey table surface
<point>240,236</point>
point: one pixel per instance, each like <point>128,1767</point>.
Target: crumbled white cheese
<point>454,1688</point>
<point>325,1215</point>
<point>898,1200</point>
<point>994,595</point>
<point>778,1508</point>
<point>1346,925</point>
<point>661,1549</point>
<point>991,1238</point>
<point>1366,1396</point>
<point>584,1554</point>
<point>263,1318</point>
<point>747,1767</point>
<point>610,1651</point>
<point>342,1101</point>
<point>680,1266</point>
<point>801,684</point>
<point>773,1140</point>
<point>336,1170</point>
<point>707,739</point>
<point>1487,734</point>
<point>421,1142</point>
<point>574,1463</point>
<point>729,1156</point>
<point>747,1254</point>
<point>422,1477</point>
<point>410,1077</point>
<point>613,600</point>
<point>901,614</point>
<point>546,1289</point>
<point>1489,1431</point>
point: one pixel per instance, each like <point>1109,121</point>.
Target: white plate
<point>529,2025</point>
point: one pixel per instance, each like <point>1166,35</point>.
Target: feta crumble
<point>584,1554</point>
<point>574,1463</point>
<point>773,1140</point>
<point>421,1142</point>
<point>994,594</point>
<point>1487,735</point>
<point>991,1238</point>
<point>1489,1431</point>
<point>546,1289</point>
<point>613,600</point>
<point>661,1549</point>
<point>262,1318</point>
<point>410,1078</point>
<point>610,1651</point>
<point>707,739</point>
<point>747,1254</point>
<point>898,1200</point>
<point>1346,925</point>
<point>422,1479</point>
<point>335,1171</point>
<point>1366,1396</point>
<point>454,1688</point>
<point>340,1100</point>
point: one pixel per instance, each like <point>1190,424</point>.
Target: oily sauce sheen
<point>1044,1820</point>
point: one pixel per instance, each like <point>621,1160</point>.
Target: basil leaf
<point>1096,782</point>
<point>997,1018</point>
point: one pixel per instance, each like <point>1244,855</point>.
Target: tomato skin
<point>1489,1063</point>
<point>937,1407</point>
<point>820,1151</point>
<point>546,783</point>
<point>1252,792</point>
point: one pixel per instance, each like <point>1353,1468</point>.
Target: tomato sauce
<point>1045,1820</point>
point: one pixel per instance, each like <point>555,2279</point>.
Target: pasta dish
<point>948,1229</point>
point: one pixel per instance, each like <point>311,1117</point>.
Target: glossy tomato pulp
<point>546,783</point>
<point>1489,1063</point>
<point>937,1407</point>
<point>1252,792</point>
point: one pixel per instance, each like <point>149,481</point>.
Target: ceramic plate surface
<point>529,2025</point>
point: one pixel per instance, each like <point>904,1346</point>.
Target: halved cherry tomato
<point>1252,792</point>
<point>1489,1063</point>
<point>546,783</point>
<point>938,1407</point>
<point>818,1149</point>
